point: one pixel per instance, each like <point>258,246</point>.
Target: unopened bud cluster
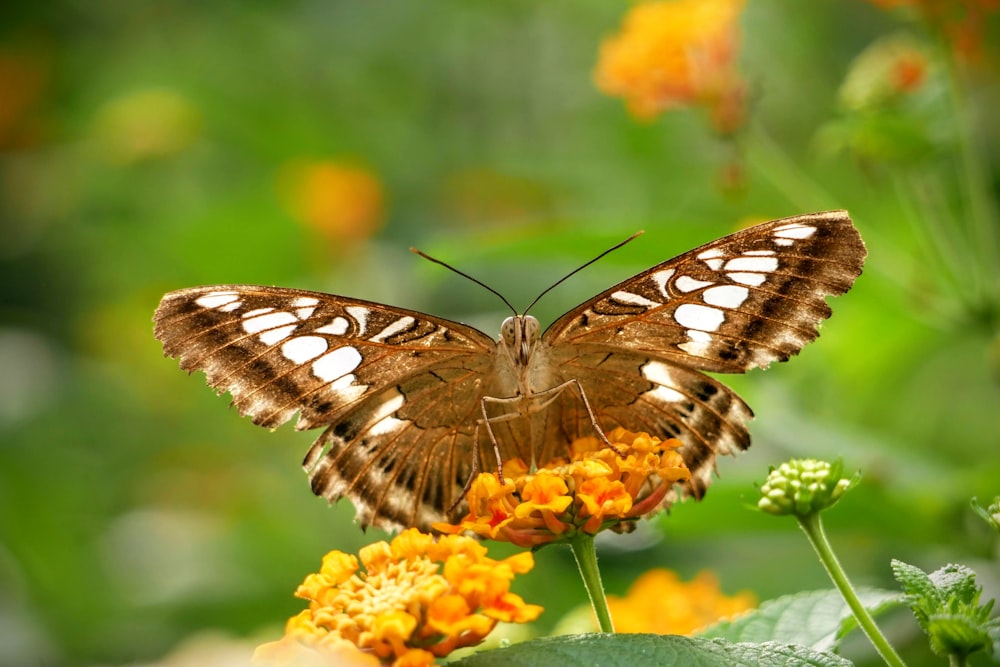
<point>802,487</point>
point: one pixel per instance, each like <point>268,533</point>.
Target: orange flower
<point>886,71</point>
<point>961,22</point>
<point>673,54</point>
<point>341,201</point>
<point>593,490</point>
<point>661,603</point>
<point>418,598</point>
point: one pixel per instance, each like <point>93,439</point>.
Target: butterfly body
<point>408,401</point>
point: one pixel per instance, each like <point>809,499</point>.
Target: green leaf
<point>956,582</point>
<point>922,594</point>
<point>815,619</point>
<point>957,634</point>
<point>626,650</point>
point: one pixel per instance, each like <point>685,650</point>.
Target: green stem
<point>813,528</point>
<point>586,560</point>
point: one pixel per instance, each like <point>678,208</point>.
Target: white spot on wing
<point>360,316</point>
<point>268,321</point>
<point>275,336</point>
<point>336,363</point>
<point>784,242</point>
<point>303,348</point>
<point>726,296</point>
<point>305,302</point>
<point>794,231</point>
<point>695,316</point>
<point>305,313</point>
<point>661,278</point>
<point>745,278</point>
<point>759,253</point>
<point>711,253</point>
<point>338,327</point>
<point>230,307</point>
<point>757,264</point>
<point>216,299</point>
<point>666,394</point>
<point>633,299</point>
<point>386,422</point>
<point>659,373</point>
<point>401,324</point>
<point>689,284</point>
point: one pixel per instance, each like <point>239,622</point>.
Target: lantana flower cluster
<point>417,598</point>
<point>676,54</point>
<point>659,602</point>
<point>593,489</point>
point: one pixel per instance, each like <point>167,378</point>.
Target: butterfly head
<point>519,335</point>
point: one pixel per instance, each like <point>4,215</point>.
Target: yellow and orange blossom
<point>417,598</point>
<point>675,54</point>
<point>592,490</point>
<point>659,602</point>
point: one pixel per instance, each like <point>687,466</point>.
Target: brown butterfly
<point>412,404</point>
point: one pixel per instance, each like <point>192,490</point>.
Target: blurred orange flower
<point>418,598</point>
<point>962,22</point>
<point>891,67</point>
<point>342,201</point>
<point>674,54</point>
<point>659,602</point>
<point>592,490</point>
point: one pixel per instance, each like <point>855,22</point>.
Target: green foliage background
<point>136,512</point>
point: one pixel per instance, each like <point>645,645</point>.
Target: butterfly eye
<point>532,329</point>
<point>508,330</point>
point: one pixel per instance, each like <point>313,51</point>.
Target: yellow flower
<point>592,490</point>
<point>661,603</point>
<point>418,598</point>
<point>342,201</point>
<point>674,54</point>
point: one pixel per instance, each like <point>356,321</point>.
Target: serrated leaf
<point>956,582</point>
<point>815,619</point>
<point>625,650</point>
<point>916,583</point>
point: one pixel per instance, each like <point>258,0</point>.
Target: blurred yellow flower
<point>659,602</point>
<point>146,125</point>
<point>418,598</point>
<point>342,201</point>
<point>592,490</point>
<point>674,54</point>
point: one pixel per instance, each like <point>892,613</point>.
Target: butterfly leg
<point>590,413</point>
<point>489,431</point>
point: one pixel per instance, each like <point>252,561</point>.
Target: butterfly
<point>411,405</point>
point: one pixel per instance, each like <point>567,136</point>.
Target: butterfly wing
<point>740,302</point>
<point>397,390</point>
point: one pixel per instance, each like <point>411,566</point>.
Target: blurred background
<point>148,146</point>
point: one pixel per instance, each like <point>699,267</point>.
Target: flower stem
<point>586,560</point>
<point>813,528</point>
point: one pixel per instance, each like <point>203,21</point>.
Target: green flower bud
<point>802,487</point>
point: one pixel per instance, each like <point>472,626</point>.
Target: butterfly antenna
<point>464,275</point>
<point>581,268</point>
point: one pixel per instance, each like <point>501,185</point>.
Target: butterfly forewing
<point>737,303</point>
<point>400,394</point>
